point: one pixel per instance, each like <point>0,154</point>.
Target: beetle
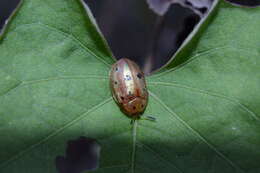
<point>128,87</point>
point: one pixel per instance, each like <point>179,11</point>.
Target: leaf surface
<point>54,87</point>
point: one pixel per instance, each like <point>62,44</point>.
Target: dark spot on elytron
<point>81,155</point>
<point>142,106</point>
<point>115,82</point>
<point>116,69</point>
<point>127,77</point>
<point>139,75</point>
<point>134,107</point>
<point>122,98</point>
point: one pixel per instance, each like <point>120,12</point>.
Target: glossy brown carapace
<point>128,87</point>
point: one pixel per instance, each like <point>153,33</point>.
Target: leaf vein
<point>55,133</point>
<point>197,55</point>
<point>195,132</point>
<point>210,93</point>
<point>192,58</point>
<point>11,89</point>
<point>68,35</point>
<point>158,155</point>
<point>24,83</point>
<point>114,166</point>
<point>62,78</point>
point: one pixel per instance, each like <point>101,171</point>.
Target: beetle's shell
<point>128,87</point>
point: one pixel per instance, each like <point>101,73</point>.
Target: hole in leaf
<point>81,154</point>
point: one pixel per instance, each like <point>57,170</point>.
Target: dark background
<point>6,8</point>
<point>139,33</point>
<point>133,30</point>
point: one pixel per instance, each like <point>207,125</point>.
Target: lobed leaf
<point>54,87</point>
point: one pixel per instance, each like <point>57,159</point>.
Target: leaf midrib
<point>134,133</point>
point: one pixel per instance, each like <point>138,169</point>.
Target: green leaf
<point>54,87</point>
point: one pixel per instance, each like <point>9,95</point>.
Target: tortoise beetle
<point>128,87</point>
